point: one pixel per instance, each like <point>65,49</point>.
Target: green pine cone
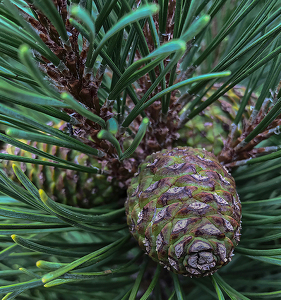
<point>211,127</point>
<point>184,211</point>
<point>65,186</point>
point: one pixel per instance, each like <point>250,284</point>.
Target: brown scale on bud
<point>184,211</point>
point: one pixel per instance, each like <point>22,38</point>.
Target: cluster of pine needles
<point>125,77</point>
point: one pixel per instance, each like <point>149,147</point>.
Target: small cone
<point>65,186</point>
<point>211,127</point>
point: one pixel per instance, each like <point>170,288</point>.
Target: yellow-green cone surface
<point>66,186</point>
<point>210,128</point>
<point>184,211</point>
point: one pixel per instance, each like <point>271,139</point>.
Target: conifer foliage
<point>88,90</point>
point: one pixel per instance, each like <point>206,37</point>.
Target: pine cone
<point>184,211</point>
<point>65,186</point>
<point>211,127</point>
